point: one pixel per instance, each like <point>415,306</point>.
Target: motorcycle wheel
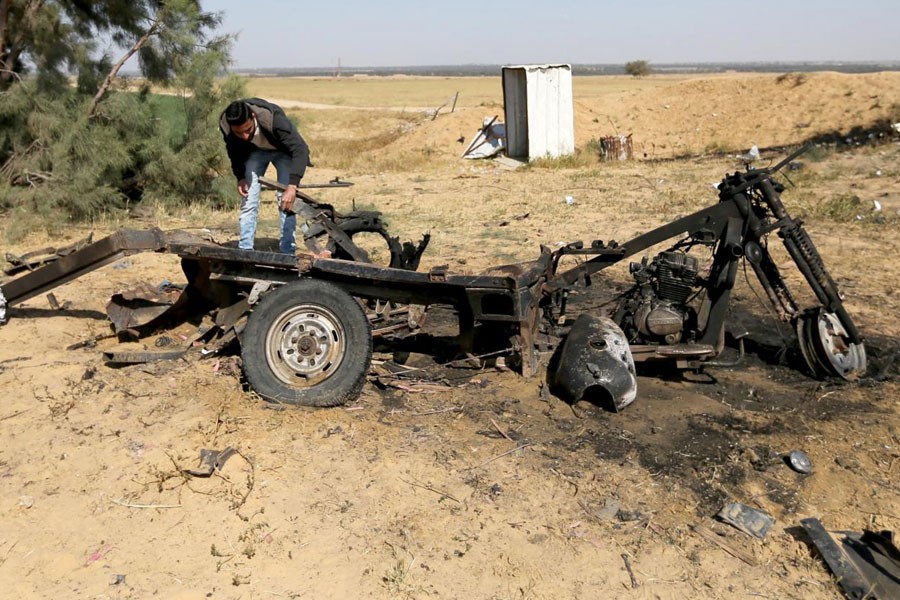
<point>827,350</point>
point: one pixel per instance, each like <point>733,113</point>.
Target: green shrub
<point>638,68</point>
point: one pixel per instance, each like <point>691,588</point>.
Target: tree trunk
<point>92,109</point>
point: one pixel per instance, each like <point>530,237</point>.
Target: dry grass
<point>395,92</point>
<point>430,92</point>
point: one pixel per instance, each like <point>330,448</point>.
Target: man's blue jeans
<point>256,166</point>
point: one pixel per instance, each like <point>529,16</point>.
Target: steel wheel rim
<point>305,345</point>
<point>846,359</point>
<point>826,348</point>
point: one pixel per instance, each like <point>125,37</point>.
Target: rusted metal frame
<point>388,276</point>
<point>727,256</point>
<point>134,357</point>
<point>355,222</point>
<point>343,240</point>
<point>463,292</point>
<point>682,352</point>
<point>709,219</point>
<point>35,259</point>
<point>726,222</point>
<point>528,348</point>
<point>233,255</point>
<point>103,252</point>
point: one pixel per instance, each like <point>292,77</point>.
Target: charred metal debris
<point>305,324</point>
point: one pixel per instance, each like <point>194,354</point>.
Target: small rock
<point>849,463</point>
<point>26,501</point>
<point>609,510</point>
<point>629,515</point>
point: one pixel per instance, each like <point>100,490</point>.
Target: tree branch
<point>92,109</point>
<point>4,32</point>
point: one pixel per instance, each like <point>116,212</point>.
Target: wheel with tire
<point>826,347</point>
<point>307,343</point>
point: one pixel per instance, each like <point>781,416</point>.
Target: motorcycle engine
<point>665,286</point>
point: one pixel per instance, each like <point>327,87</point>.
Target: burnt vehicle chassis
<point>306,337</point>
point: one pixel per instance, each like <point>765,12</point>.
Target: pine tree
<point>76,151</point>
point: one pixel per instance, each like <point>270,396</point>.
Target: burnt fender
<point>594,362</point>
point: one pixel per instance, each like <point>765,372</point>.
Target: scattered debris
<point>210,461</point>
<point>634,581</point>
<point>127,357</point>
<point>866,565</point>
<point>616,147</point>
<point>489,141</point>
<point>98,554</point>
<point>751,156</point>
<point>718,541</point>
<point>799,461</point>
<point>609,511</point>
<point>749,520</point>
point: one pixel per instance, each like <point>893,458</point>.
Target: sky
<point>290,34</point>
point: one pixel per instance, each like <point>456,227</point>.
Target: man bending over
<point>258,133</point>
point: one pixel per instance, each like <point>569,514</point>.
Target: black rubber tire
<point>307,343</point>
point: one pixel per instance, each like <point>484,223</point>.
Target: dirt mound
<point>707,115</point>
<point>731,113</point>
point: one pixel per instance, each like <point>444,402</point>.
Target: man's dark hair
<point>238,112</point>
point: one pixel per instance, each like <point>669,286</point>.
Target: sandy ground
<point>481,485</point>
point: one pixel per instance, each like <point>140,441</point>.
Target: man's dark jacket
<point>275,127</point>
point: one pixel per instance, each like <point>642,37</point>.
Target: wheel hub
<point>305,345</point>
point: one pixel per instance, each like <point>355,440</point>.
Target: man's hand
<point>243,187</point>
<point>287,199</point>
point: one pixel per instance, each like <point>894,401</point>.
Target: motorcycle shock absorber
<point>808,260</point>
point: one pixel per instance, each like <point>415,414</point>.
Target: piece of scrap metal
<point>877,558</point>
<point>595,354</point>
<point>337,182</point>
<point>848,576</point>
<point>142,305</point>
<point>129,357</point>
<point>799,461</point>
<point>37,258</point>
<point>744,518</point>
<point>211,461</point>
